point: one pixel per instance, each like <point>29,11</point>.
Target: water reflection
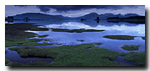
<point>65,38</point>
<point>111,28</point>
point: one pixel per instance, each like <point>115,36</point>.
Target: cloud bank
<point>65,8</point>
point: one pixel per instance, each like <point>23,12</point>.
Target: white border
<point>65,2</point>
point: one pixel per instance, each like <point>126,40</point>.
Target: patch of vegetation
<point>73,55</point>
<point>24,42</point>
<point>7,62</point>
<point>43,36</point>
<point>98,43</point>
<point>130,47</point>
<point>138,57</point>
<point>120,37</point>
<point>24,26</point>
<point>15,35</point>
<point>143,38</point>
<point>6,51</point>
<point>36,63</point>
<point>75,30</point>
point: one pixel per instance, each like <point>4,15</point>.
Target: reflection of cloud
<point>139,29</point>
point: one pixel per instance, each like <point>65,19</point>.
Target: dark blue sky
<point>74,10</point>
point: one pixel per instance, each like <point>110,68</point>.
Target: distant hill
<point>38,16</point>
<point>106,15</point>
<point>130,19</point>
<point>130,14</point>
<point>90,16</point>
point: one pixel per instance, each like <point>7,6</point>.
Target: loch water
<point>67,38</point>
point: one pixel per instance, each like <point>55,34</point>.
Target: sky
<point>74,10</point>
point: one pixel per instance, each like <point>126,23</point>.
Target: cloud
<point>65,8</point>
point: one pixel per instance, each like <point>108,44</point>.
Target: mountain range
<point>60,17</point>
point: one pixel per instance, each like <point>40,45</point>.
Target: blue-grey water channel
<point>65,38</point>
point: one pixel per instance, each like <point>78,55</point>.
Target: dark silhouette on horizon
<point>82,19</point>
<point>132,19</point>
<point>27,19</point>
<point>9,19</point>
<point>97,19</point>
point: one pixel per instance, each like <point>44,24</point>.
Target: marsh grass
<point>73,55</point>
<point>98,43</point>
<point>143,38</point>
<point>75,30</point>
<point>120,37</point>
<point>43,36</point>
<point>130,47</point>
<point>138,57</point>
<point>8,62</point>
<point>15,35</point>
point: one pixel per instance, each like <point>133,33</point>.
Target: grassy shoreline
<point>120,37</point>
<point>69,55</point>
<point>77,55</point>
<point>137,57</point>
<point>130,47</point>
<point>15,35</point>
<point>73,55</point>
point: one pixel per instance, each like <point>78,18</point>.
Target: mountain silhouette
<point>37,16</point>
<point>90,16</point>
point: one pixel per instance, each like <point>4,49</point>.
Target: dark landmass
<point>15,34</point>
<point>75,30</point>
<point>120,37</point>
<point>132,19</point>
<point>90,16</point>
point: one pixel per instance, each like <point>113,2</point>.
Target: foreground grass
<point>130,47</point>
<point>75,30</point>
<point>120,37</point>
<point>138,57</point>
<point>15,35</point>
<point>77,55</point>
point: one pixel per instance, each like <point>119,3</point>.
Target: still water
<point>65,38</point>
<point>121,28</point>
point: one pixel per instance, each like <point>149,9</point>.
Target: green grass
<point>76,55</point>
<point>98,43</point>
<point>15,35</point>
<point>120,37</point>
<point>75,30</point>
<point>36,63</point>
<point>24,26</point>
<point>143,38</point>
<point>8,62</point>
<point>130,47</point>
<point>24,42</point>
<point>138,57</point>
<point>43,36</point>
<point>73,55</point>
